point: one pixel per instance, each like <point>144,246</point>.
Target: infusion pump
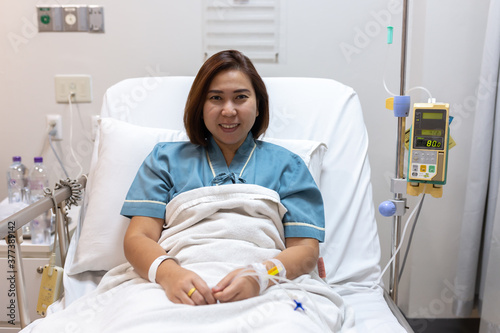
<point>428,147</point>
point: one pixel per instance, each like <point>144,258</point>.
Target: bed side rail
<point>17,220</point>
<point>10,230</point>
<point>397,313</point>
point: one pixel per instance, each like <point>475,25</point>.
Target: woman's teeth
<point>229,126</point>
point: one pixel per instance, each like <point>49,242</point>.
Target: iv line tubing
<point>410,238</point>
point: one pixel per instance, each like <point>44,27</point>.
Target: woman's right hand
<point>178,281</point>
<point>141,249</point>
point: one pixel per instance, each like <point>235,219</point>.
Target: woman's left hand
<point>236,287</point>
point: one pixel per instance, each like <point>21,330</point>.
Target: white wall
<point>343,40</point>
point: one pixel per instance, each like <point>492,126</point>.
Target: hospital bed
<point>306,115</point>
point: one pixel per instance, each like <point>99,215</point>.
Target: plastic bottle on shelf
<point>17,181</point>
<point>38,181</point>
<point>17,186</point>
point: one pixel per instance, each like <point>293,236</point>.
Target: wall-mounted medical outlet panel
<point>76,87</point>
<point>96,18</point>
<point>49,18</point>
<point>70,18</point>
<point>75,18</point>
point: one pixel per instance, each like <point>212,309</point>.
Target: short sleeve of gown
<point>148,193</point>
<point>302,198</point>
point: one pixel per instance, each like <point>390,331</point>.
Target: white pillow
<point>121,151</point>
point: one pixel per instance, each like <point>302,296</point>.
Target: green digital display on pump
<point>428,147</point>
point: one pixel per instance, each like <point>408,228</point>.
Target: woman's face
<point>230,109</point>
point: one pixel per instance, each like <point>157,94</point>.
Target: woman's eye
<point>216,98</point>
<point>241,96</point>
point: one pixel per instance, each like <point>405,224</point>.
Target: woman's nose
<point>228,110</point>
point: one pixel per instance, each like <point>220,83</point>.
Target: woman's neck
<point>228,155</point>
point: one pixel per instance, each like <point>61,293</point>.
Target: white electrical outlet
<point>56,120</point>
<point>95,125</point>
<point>76,87</point>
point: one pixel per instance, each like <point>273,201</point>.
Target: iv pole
<point>398,195</point>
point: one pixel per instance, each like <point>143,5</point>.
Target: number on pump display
<point>433,143</point>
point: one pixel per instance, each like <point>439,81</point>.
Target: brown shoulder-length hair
<point>225,60</point>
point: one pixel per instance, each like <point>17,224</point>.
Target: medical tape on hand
<point>278,268</point>
<point>262,275</point>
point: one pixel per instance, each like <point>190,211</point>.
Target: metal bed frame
<point>11,231</point>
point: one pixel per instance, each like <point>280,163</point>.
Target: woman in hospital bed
<point>224,220</point>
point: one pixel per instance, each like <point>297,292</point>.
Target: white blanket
<point>212,231</point>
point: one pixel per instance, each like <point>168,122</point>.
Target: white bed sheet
<point>301,108</point>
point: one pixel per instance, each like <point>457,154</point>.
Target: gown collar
<point>232,174</point>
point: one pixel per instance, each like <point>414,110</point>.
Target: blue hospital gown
<point>176,167</point>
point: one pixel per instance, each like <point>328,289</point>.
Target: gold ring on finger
<point>191,292</point>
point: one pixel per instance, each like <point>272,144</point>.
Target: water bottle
<point>38,181</point>
<point>17,181</point>
<point>17,187</point>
